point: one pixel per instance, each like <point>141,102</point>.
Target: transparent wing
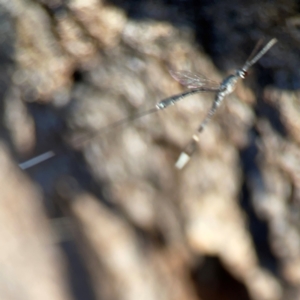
<point>193,80</point>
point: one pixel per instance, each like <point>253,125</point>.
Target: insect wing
<point>192,80</point>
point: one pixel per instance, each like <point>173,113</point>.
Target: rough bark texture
<point>125,223</point>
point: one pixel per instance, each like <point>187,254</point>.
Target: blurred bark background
<point>111,218</point>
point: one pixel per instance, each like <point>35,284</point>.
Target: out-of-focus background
<point>111,217</point>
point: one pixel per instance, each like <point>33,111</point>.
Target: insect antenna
<point>252,60</point>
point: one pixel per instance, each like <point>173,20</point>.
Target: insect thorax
<point>228,84</point>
